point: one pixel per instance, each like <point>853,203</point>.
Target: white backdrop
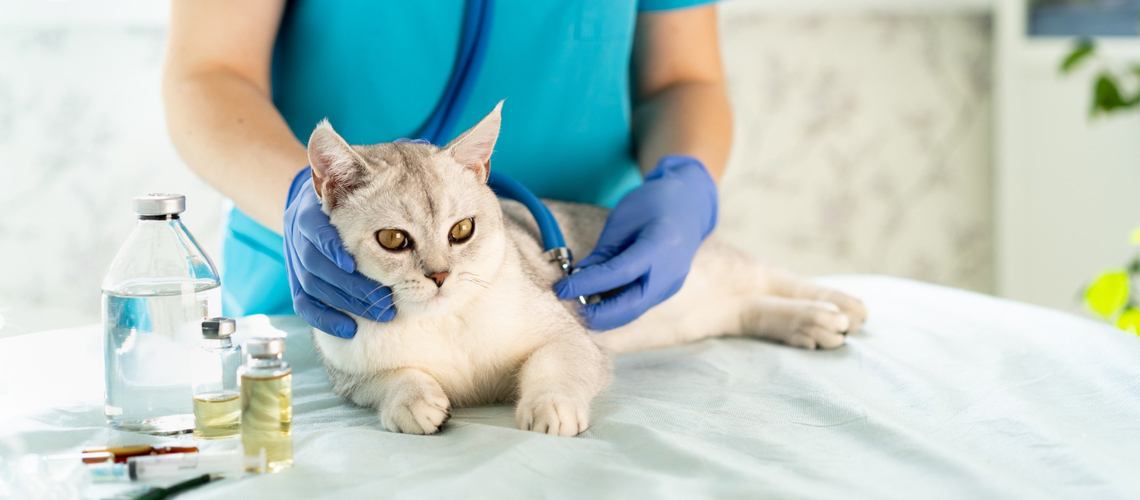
<point>862,146</point>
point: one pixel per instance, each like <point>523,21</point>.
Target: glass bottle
<point>267,406</point>
<point>159,288</point>
<point>213,375</point>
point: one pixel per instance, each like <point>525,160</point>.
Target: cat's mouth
<point>417,298</point>
<point>422,296</point>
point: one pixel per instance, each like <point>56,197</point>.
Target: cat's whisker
<point>370,306</point>
<point>474,278</point>
<point>373,290</point>
<point>393,304</point>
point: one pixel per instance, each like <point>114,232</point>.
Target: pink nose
<point>438,278</point>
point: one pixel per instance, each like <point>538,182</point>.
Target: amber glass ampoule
<point>267,405</point>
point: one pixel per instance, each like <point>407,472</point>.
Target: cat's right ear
<point>473,148</point>
<point>337,168</point>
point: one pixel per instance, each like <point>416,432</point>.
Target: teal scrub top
<point>377,69</point>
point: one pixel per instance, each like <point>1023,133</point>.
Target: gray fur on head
<point>420,189</point>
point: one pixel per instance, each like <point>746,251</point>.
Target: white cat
<point>477,319</point>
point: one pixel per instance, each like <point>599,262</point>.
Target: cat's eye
<point>462,230</point>
<point>393,239</point>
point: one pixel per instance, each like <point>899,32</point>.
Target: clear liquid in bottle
<point>149,335</point>
<point>160,287</point>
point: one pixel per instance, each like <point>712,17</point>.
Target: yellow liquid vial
<point>217,415</point>
<point>267,420</point>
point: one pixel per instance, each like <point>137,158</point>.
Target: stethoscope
<point>472,48</point>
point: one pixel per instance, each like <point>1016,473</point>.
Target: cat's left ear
<point>473,148</point>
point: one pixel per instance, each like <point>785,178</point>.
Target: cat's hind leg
<point>409,400</point>
<point>810,324</point>
<point>728,292</point>
<point>722,269</point>
<point>787,284</point>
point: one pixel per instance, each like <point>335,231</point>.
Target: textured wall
<point>862,146</point>
<point>81,133</point>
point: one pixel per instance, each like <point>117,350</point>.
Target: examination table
<point>945,394</point>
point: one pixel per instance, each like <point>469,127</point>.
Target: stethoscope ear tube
<point>473,46</point>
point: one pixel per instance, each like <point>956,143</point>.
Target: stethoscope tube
<point>472,49</point>
<point>473,42</point>
<point>552,243</point>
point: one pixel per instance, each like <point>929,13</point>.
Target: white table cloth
<point>945,394</point>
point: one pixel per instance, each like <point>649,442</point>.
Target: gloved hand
<point>647,244</point>
<point>321,272</point>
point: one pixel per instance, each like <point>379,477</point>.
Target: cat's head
<point>417,218</point>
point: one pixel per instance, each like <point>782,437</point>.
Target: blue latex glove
<point>321,271</point>
<point>647,245</point>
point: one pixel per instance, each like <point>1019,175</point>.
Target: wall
<point>1066,189</point>
<point>862,143</point>
<point>862,146</point>
<point>81,133</point>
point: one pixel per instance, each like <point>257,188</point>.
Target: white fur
<point>494,331</point>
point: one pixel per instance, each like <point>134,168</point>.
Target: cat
<point>477,321</point>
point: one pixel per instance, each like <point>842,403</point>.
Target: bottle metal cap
<point>160,204</point>
<point>218,328</point>
<point>265,347</point>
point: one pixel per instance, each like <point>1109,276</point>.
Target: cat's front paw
<point>418,410</point>
<point>553,414</point>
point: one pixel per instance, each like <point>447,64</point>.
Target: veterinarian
<point>615,102</point>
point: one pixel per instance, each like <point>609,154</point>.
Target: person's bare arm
<point>218,106</point>
<point>681,103</point>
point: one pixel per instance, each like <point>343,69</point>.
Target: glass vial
<point>267,405</point>
<point>160,287</point>
<point>217,405</point>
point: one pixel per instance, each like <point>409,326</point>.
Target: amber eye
<point>393,239</point>
<point>462,230</point>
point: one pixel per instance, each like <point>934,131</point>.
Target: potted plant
<point>1112,294</point>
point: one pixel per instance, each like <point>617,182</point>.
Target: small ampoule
<point>217,407</point>
<point>267,405</point>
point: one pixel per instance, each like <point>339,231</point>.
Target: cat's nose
<point>438,278</point>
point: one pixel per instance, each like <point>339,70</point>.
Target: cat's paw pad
<point>422,413</point>
<point>851,307</point>
<point>821,326</point>
<point>553,414</point>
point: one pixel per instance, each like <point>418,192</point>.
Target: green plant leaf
<point>1108,292</point>
<point>1084,48</point>
<point>1129,321</point>
<point>1106,95</point>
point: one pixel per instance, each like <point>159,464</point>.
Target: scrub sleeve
<point>562,67</point>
